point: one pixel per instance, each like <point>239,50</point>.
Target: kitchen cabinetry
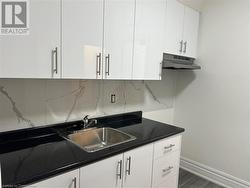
<point>36,55</point>
<point>190,32</point>
<point>138,167</point>
<point>150,32</point>
<point>113,40</point>
<point>182,29</point>
<point>154,165</point>
<point>100,39</point>
<point>106,173</point>
<point>82,39</point>
<point>97,40</point>
<point>118,38</point>
<point>133,168</point>
<point>67,180</point>
<point>166,162</point>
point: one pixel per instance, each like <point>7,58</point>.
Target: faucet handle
<point>86,119</point>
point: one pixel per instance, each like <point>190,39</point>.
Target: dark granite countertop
<point>31,155</point>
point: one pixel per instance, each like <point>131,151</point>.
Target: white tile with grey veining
<point>139,95</point>
<point>22,103</point>
<point>27,103</point>
<point>160,94</point>
<point>117,88</point>
<point>151,95</point>
<point>71,99</point>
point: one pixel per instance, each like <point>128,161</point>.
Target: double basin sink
<point>96,139</point>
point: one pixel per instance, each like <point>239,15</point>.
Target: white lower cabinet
<point>166,170</point>
<point>67,180</point>
<point>166,163</point>
<point>154,165</point>
<point>106,173</point>
<point>138,167</point>
<point>132,169</point>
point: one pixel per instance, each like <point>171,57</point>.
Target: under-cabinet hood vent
<point>178,62</point>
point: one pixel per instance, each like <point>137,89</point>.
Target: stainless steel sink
<point>96,139</point>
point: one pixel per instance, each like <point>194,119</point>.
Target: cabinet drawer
<point>167,146</point>
<point>166,169</point>
<point>170,183</point>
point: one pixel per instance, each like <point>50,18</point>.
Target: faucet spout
<point>88,122</point>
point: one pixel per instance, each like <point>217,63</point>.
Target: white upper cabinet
<point>150,34</point>
<point>118,38</point>
<point>174,30</point>
<point>99,39</point>
<point>138,167</point>
<point>82,33</point>
<point>182,29</point>
<point>190,34</point>
<point>36,55</point>
<point>106,173</point>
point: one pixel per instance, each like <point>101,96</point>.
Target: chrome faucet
<point>87,123</point>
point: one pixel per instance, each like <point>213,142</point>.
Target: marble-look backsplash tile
<point>71,99</point>
<point>26,103</point>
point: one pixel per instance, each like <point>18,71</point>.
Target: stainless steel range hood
<point>178,62</point>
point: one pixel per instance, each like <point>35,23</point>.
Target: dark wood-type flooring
<point>189,180</point>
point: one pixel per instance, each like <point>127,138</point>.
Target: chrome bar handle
<point>167,169</point>
<point>107,63</point>
<point>181,46</point>
<point>160,73</point>
<point>119,174</point>
<point>128,171</point>
<point>185,47</point>
<point>98,64</point>
<point>55,61</point>
<point>169,147</point>
<point>74,182</point>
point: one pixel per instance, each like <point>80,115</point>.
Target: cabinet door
<point>118,38</point>
<point>82,33</point>
<point>175,16</point>
<point>67,180</point>
<point>138,167</point>
<point>105,174</point>
<point>31,56</point>
<point>150,28</point>
<point>190,32</point>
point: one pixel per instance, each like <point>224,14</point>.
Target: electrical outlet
<point>113,98</point>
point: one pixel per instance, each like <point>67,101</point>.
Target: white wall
<point>213,104</point>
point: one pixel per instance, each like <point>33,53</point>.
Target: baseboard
<point>213,175</point>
